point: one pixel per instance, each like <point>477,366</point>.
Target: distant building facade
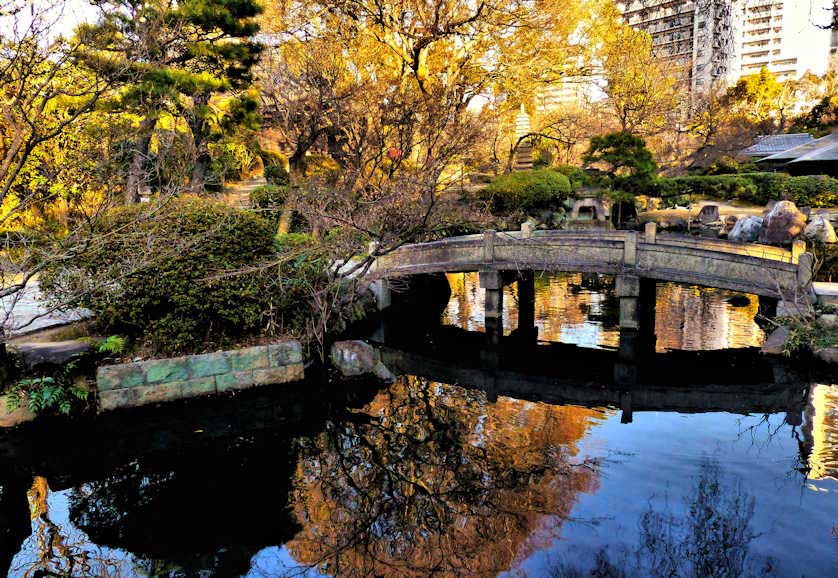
<point>781,35</point>
<point>573,91</point>
<point>697,34</point>
<point>721,41</point>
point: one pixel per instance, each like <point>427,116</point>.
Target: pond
<point>525,462</point>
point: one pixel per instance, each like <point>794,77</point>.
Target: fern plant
<point>113,345</point>
<point>47,393</point>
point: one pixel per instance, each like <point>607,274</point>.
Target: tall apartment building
<point>695,33</point>
<point>574,91</point>
<point>781,35</point>
<point>722,40</point>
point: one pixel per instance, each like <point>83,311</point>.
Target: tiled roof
<point>774,143</point>
<point>827,153</point>
<point>806,151</point>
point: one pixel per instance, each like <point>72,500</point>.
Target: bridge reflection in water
<point>582,309</point>
<point>472,463</point>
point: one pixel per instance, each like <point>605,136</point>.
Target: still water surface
<point>451,479</point>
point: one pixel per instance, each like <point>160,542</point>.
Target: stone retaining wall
<point>156,380</point>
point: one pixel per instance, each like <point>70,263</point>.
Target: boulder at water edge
<point>729,222</point>
<point>820,229</point>
<point>51,353</point>
<point>776,342</point>
<point>782,224</point>
<point>746,230</point>
<point>354,357</point>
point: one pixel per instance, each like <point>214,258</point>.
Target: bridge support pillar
<point>381,290</point>
<point>625,368</point>
<point>628,291</point>
<point>490,363</point>
<point>794,417</point>
<point>526,307</point>
<point>492,283</point>
<point>627,415</point>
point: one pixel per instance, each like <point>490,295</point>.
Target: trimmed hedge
<point>527,191</point>
<point>164,274</point>
<point>758,188</point>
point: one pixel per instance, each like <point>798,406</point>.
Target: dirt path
<point>238,194</point>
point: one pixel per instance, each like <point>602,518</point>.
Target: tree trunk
<point>286,217</point>
<point>199,125</point>
<point>136,170</point>
<point>198,178</point>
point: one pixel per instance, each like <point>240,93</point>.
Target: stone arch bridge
<point>633,258</point>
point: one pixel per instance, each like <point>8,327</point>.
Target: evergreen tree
<point>627,160</point>
<point>171,57</point>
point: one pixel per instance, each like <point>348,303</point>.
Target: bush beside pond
<point>527,191</point>
<point>178,277</point>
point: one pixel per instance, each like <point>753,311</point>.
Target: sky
<point>66,14</point>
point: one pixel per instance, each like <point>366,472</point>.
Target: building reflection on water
<point>581,309</point>
<point>821,432</point>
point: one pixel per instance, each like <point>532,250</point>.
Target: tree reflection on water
<point>711,537</point>
<point>433,479</point>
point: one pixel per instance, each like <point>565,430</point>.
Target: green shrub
<point>277,175</point>
<point>757,188</point>
<point>268,202</point>
<point>807,335</point>
<point>826,260</point>
<point>47,394</point>
<point>578,177</point>
<point>527,191</point>
<point>164,274</point>
<point>275,172</point>
<point>812,191</point>
<point>729,166</point>
<point>229,161</point>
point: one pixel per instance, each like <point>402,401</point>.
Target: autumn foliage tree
<point>46,102</point>
<point>387,90</point>
<point>642,89</point>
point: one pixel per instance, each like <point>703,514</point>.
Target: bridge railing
<point>760,269</point>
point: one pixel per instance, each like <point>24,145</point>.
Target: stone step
<point>827,293</point>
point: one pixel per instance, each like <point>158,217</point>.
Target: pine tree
<point>171,58</point>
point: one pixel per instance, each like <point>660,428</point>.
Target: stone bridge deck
<point>759,269</point>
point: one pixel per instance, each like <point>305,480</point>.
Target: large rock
<point>353,358</point>
<point>827,320</point>
<point>827,354</point>
<point>708,214</point>
<point>729,222</point>
<point>746,230</point>
<point>820,229</point>
<point>776,342</point>
<point>782,224</point>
